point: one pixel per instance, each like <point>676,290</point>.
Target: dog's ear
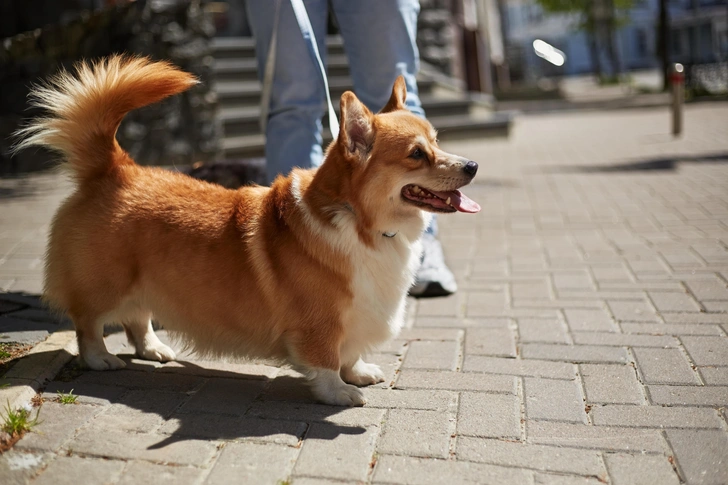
<point>356,133</point>
<point>399,94</point>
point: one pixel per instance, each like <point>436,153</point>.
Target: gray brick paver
<point>701,455</point>
<point>553,400</point>
<point>611,384</point>
<point>566,276</point>
<point>664,366</point>
<point>537,457</point>
<point>629,469</point>
<point>417,433</point>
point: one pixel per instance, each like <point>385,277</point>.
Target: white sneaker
<point>433,278</point>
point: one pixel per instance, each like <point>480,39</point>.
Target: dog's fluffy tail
<point>85,108</point>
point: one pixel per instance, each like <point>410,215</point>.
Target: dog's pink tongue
<point>459,201</point>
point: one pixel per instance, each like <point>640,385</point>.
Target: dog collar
<point>389,234</point>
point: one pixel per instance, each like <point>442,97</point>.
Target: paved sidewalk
<point>587,343</point>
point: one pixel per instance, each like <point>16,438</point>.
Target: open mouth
<point>450,201</point>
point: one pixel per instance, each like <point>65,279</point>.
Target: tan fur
<point>266,272</point>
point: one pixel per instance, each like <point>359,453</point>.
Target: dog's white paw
<point>104,361</point>
<point>158,351</point>
<point>363,374</point>
<point>343,396</point>
<point>328,388</point>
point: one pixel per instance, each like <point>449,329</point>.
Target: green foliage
<point>67,398</point>
<point>585,10</point>
<point>18,422</point>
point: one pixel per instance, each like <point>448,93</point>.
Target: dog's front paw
<point>104,361</point>
<point>343,396</point>
<point>159,352</point>
<point>363,374</point>
<point>328,388</point>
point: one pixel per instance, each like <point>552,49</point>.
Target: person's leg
<point>380,43</point>
<point>298,100</point>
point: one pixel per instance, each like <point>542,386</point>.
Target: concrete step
<point>449,128</point>
<point>244,47</point>
<point>246,69</point>
<point>239,93</point>
<point>244,119</point>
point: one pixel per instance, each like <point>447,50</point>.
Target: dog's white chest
<point>380,283</point>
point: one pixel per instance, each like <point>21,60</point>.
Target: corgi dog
<point>313,270</point>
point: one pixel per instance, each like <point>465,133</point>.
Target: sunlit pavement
<point>587,343</point>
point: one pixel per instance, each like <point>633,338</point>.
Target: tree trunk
<point>594,53</point>
<point>611,33</point>
<point>663,44</point>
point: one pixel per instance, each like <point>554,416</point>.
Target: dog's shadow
<point>184,401</point>
<point>176,401</point>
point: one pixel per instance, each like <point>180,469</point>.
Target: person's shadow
<point>180,400</point>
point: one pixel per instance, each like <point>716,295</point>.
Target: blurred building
<point>698,34</point>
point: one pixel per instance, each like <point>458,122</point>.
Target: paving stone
<point>432,355</point>
<point>310,412</point>
<point>623,340</point>
<point>629,469</point>
<point>674,302</point>
<point>701,454</point>
<point>611,384</point>
<point>252,463</point>
<point>450,306</point>
<point>461,322</point>
<point>531,289</point>
<point>486,304</point>
<point>664,366</point>
<point>417,433</point>
<point>632,311</point>
<point>216,396</point>
<point>219,368</point>
<point>655,417</point>
<point>436,400</point>
<point>490,341</point>
<point>575,435</point>
<point>695,317</point>
<point>348,455</point>
<point>715,376</point>
<point>553,400</point>
<point>56,425</point>
<point>489,415</point>
<point>525,455</point>
<point>530,367</point>
<point>456,381</point>
<point>17,467</point>
<point>138,472</point>
<point>426,471</point>
<point>560,479</point>
<point>589,320</point>
<point>669,329</point>
<point>710,289</point>
<point>141,380</point>
<point>142,446</point>
<point>707,350</point>
<point>574,353</point>
<point>87,393</point>
<point>578,280</point>
<point>226,427</point>
<point>542,330</point>
<point>689,395</point>
<point>71,470</point>
<point>140,411</point>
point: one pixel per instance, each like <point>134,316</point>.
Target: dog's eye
<point>417,154</point>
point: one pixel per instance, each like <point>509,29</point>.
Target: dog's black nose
<point>471,168</point>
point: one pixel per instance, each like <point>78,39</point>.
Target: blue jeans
<point>380,43</point>
<point>379,38</point>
